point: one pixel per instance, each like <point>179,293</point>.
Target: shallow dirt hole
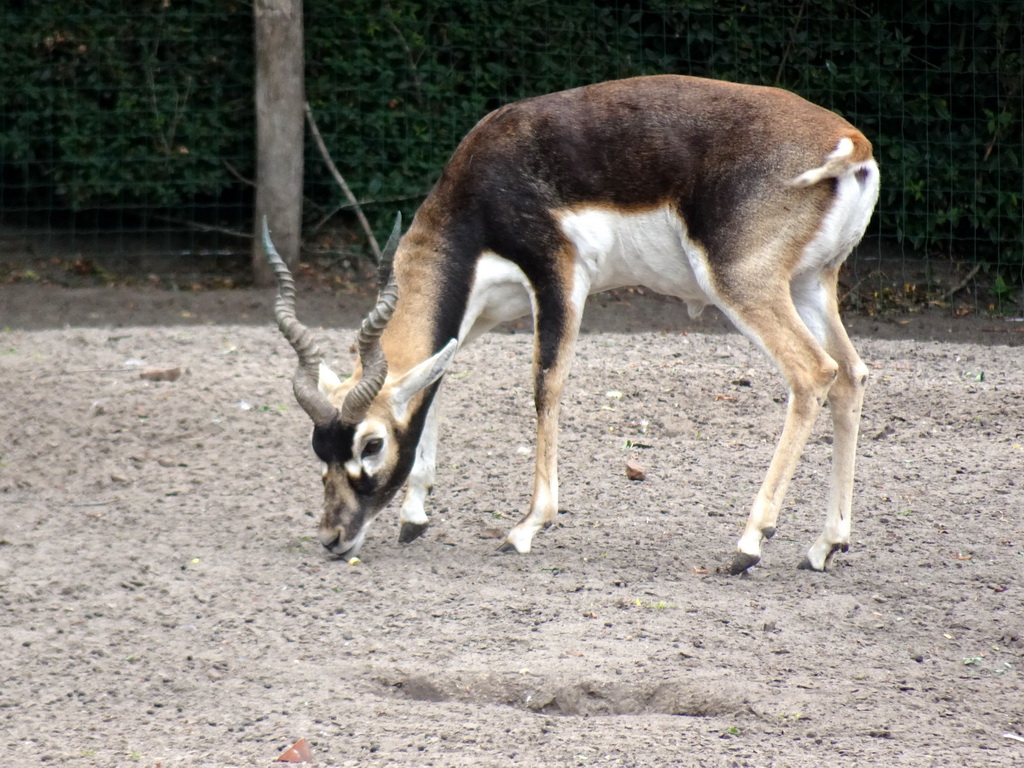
<point>692,697</point>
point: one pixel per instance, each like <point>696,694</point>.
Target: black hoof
<point>508,548</point>
<point>741,562</point>
<point>768,532</point>
<point>805,564</point>
<point>411,532</point>
<point>831,553</point>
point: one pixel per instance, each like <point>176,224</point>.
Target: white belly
<point>613,250</point>
<point>651,249</point>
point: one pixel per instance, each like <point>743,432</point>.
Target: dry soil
<point>164,602</point>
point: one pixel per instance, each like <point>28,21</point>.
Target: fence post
<point>280,94</point>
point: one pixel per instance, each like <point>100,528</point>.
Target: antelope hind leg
<point>810,373</point>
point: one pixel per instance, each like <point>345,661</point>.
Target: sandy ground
<point>163,600</point>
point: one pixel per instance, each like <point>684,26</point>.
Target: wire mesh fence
<point>126,130</point>
<point>120,128</point>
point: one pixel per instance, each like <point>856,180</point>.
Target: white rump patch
<point>844,224</point>
<point>835,165</point>
<point>840,230</point>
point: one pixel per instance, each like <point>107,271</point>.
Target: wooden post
<point>280,95</point>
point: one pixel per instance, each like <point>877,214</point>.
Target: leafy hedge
<point>106,107</point>
<point>101,108</point>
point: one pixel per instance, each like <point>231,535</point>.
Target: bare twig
<point>853,290</point>
<point>962,284</point>
<point>166,137</point>
<point>204,227</point>
<point>348,206</point>
<point>790,43</point>
<point>341,181</point>
<point>325,218</point>
<point>235,172</point>
<point>409,59</point>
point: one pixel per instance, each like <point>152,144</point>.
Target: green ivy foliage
<point>102,106</point>
<point>111,104</point>
<point>396,86</point>
<point>936,85</point>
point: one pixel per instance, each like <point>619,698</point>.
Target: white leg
<point>413,515</point>
<point>845,400</point>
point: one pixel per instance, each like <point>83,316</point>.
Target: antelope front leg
<point>413,515</point>
<point>544,505</point>
<point>557,328</point>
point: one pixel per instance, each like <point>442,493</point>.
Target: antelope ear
<point>420,377</point>
<point>328,381</point>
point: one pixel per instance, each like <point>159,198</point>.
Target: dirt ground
<point>165,602</point>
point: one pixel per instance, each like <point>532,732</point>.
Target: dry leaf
<point>299,752</point>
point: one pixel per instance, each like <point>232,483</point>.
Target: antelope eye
<point>372,447</point>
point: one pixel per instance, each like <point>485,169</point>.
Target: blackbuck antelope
<point>744,197</point>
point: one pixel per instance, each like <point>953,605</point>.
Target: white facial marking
<point>351,547</point>
<point>364,458</point>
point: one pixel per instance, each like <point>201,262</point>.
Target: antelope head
<point>365,428</point>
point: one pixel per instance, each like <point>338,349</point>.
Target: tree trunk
<point>280,94</point>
